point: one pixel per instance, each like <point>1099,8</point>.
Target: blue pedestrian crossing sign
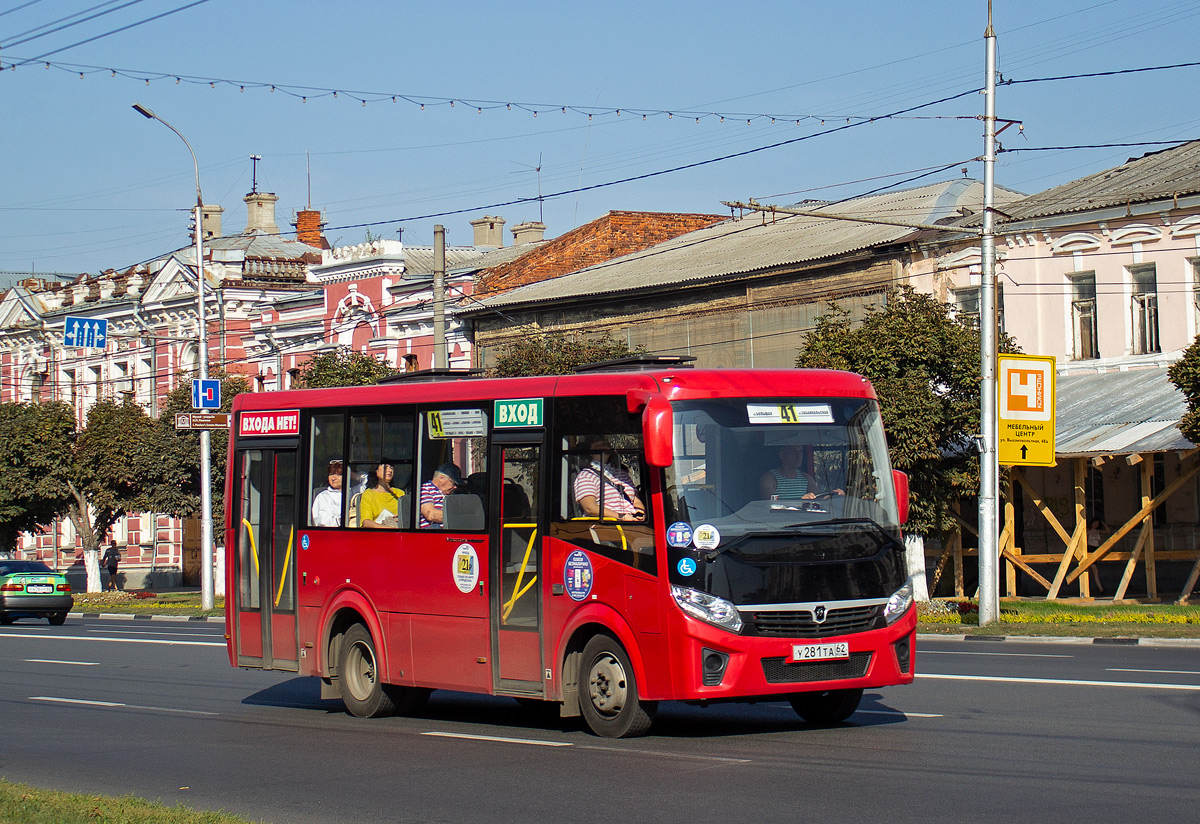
<point>206,394</point>
<point>85,333</point>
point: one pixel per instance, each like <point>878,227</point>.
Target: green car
<point>30,588</point>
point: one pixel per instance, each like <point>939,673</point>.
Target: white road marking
<point>900,713</point>
<point>1063,681</point>
<point>500,739</point>
<point>52,661</point>
<point>924,651</point>
<point>1164,672</point>
<point>118,640</point>
<point>55,700</point>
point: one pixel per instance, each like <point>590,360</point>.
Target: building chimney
<point>489,231</point>
<point>528,232</point>
<point>210,220</point>
<point>308,225</point>
<point>260,213</point>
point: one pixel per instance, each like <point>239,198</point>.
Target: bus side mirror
<point>657,428</point>
<point>900,481</point>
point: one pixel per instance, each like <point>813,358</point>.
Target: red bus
<point>605,540</point>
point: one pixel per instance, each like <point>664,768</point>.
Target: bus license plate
<point>820,652</point>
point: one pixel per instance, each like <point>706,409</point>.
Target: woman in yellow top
<point>380,501</point>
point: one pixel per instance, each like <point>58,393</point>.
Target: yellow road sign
<point>1026,414</point>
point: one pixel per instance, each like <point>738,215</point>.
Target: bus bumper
<point>715,665</point>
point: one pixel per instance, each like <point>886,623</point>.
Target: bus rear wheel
<point>827,707</point>
<point>359,679</point>
<point>608,691</point>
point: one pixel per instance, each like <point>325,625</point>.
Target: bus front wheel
<point>827,707</point>
<point>359,678</point>
<point>609,697</point>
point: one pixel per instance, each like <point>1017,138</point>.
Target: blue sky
<point>87,184</point>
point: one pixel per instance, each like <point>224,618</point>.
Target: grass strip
<point>22,804</point>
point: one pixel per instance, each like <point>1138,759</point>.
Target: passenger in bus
<point>446,479</point>
<point>620,496</point>
<point>327,504</point>
<point>380,502</point>
<point>789,480</point>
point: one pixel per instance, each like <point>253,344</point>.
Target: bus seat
<point>463,511</point>
<point>352,516</point>
<point>404,516</point>
<point>516,502</point>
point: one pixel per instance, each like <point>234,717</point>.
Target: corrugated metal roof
<point>1153,176</point>
<point>748,244</point>
<point>1118,413</point>
<point>255,245</point>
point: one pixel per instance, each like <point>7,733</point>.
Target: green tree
<point>342,367</point>
<point>114,468</point>
<point>924,363</point>
<point>36,440</point>
<point>555,353</point>
<point>1185,374</point>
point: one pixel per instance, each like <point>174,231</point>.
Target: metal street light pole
<point>206,525</point>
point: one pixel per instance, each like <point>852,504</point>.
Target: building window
<point>966,302</point>
<point>1196,291</point>
<point>1083,315</point>
<point>410,363</point>
<point>1145,309</point>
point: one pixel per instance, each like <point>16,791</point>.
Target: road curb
<point>214,619</point>
<point>1055,639</point>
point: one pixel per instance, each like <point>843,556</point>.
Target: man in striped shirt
<point>604,490</point>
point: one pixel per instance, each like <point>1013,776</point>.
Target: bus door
<point>266,558</point>
<point>516,604</point>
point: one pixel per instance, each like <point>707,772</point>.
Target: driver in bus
<point>621,501</point>
<point>380,501</point>
<point>789,481</point>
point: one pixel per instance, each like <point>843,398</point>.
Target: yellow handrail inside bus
<point>286,560</point>
<point>518,590</point>
<point>253,546</point>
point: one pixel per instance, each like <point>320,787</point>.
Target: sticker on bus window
<point>517,414</point>
<point>269,424</point>
<point>686,567</point>
<point>456,423</point>
<point>789,413</point>
<point>706,536</point>
<point>466,568</point>
<point>577,575</point>
<point>679,535</point>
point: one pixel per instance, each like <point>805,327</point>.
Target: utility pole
<point>440,360</point>
<point>989,469</point>
<point>206,525</point>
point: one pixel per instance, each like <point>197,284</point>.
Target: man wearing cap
<point>327,505</point>
<point>446,478</point>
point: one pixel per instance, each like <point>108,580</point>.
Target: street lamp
<point>206,527</point>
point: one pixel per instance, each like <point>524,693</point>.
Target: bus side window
<point>381,458</point>
<point>326,470</point>
<point>602,496</point>
<point>454,449</point>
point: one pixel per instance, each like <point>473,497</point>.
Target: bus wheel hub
<point>607,686</point>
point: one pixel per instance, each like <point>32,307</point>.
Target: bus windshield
<point>774,466</point>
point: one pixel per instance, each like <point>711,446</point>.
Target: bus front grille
<point>800,623</point>
<point>779,671</point>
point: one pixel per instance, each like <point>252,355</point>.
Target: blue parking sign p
<point>206,394</point>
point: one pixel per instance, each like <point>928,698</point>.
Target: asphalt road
<point>991,731</point>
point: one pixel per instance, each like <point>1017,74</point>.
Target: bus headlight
<point>898,604</point>
<point>708,608</point>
